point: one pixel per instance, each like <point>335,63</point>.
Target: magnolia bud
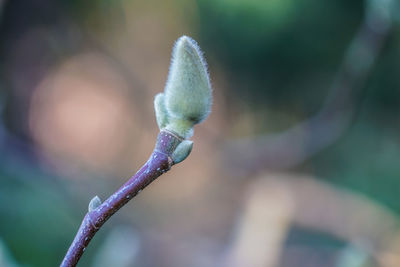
<point>188,90</point>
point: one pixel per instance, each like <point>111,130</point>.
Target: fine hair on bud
<point>188,89</point>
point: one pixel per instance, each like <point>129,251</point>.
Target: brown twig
<point>159,162</point>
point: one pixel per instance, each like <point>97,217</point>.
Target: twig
<point>186,101</point>
<point>159,162</point>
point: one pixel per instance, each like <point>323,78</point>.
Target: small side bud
<point>94,203</point>
<point>182,151</point>
<point>160,110</point>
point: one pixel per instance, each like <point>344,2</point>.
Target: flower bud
<point>187,93</point>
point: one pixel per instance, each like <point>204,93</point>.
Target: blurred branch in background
<point>120,248</point>
<point>277,201</point>
<point>297,144</point>
<point>262,228</point>
<point>6,260</point>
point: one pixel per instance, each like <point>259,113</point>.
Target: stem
<point>159,162</point>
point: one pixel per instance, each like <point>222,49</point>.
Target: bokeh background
<point>298,164</point>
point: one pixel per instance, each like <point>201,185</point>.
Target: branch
<point>159,162</point>
<point>186,101</point>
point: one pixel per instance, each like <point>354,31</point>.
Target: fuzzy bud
<point>161,112</point>
<point>94,203</point>
<point>187,95</point>
<point>182,151</point>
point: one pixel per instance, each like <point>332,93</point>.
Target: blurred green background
<point>298,164</point>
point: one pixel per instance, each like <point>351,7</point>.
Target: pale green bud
<point>161,111</point>
<point>188,90</point>
<point>182,151</point>
<point>94,203</point>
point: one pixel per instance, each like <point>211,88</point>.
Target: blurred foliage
<point>284,61</point>
<point>32,216</point>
